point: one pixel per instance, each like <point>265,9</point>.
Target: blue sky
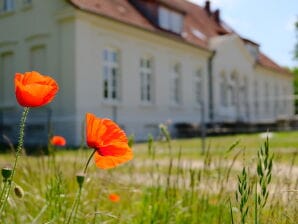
<point>269,23</point>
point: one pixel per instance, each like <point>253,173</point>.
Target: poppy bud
<point>80,179</point>
<point>19,192</point>
<point>6,173</point>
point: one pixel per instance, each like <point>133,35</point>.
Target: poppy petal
<point>107,162</point>
<point>58,140</point>
<point>33,89</point>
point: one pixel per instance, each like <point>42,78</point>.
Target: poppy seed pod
<point>80,179</point>
<point>6,172</point>
<point>19,192</point>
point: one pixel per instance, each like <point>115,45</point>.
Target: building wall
<point>40,37</point>
<point>232,61</point>
<point>261,95</point>
<point>94,34</point>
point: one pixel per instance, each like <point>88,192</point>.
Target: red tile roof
<point>198,28</point>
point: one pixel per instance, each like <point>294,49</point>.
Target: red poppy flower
<point>114,197</point>
<point>34,90</point>
<point>58,140</point>
<point>109,141</point>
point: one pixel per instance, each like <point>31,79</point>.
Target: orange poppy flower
<point>34,90</point>
<point>109,141</point>
<point>114,197</point>
<point>58,140</point>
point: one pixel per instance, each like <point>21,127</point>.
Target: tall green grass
<point>168,181</point>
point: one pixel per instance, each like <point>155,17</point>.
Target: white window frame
<point>256,99</point>
<point>7,5</point>
<point>223,89</point>
<point>111,74</point>
<point>198,87</point>
<point>176,84</point>
<point>170,20</point>
<point>266,97</point>
<point>146,80</point>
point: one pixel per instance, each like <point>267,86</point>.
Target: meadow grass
<point>166,182</point>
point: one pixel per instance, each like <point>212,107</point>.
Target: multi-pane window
<point>285,99</point>
<point>146,79</point>
<point>233,89</point>
<point>276,100</point>
<point>266,97</point>
<point>198,82</point>
<point>111,74</point>
<point>223,90</point>
<point>38,58</point>
<point>6,78</point>
<point>176,84</point>
<point>7,5</point>
<point>256,98</point>
<point>170,20</point>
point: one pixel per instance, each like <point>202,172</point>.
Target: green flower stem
<point>75,206</point>
<point>90,157</point>
<point>76,203</point>
<point>19,150</point>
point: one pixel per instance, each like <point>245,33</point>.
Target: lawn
<point>166,182</point>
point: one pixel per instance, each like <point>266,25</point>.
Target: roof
<point>199,24</point>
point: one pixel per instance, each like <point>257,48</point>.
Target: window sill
<point>111,103</point>
<point>6,13</point>
<point>176,106</point>
<point>27,6</point>
<point>146,104</point>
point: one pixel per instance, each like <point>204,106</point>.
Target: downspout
<point>210,85</point>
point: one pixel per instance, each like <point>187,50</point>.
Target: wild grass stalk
<point>7,187</point>
<point>264,174</point>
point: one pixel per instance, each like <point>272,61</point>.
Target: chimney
<point>216,15</point>
<point>207,7</point>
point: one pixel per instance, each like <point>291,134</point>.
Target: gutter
<point>210,85</point>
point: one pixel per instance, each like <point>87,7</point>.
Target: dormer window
<point>253,50</point>
<point>170,20</point>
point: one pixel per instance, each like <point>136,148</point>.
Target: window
<point>176,84</point>
<point>223,90</point>
<point>285,99</point>
<point>233,90</point>
<point>198,82</point>
<point>27,3</point>
<point>256,97</point>
<point>6,78</point>
<point>146,79</point>
<point>170,20</point>
<point>276,100</point>
<point>111,76</point>
<point>266,97</point>
<point>38,58</point>
<point>7,5</point>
